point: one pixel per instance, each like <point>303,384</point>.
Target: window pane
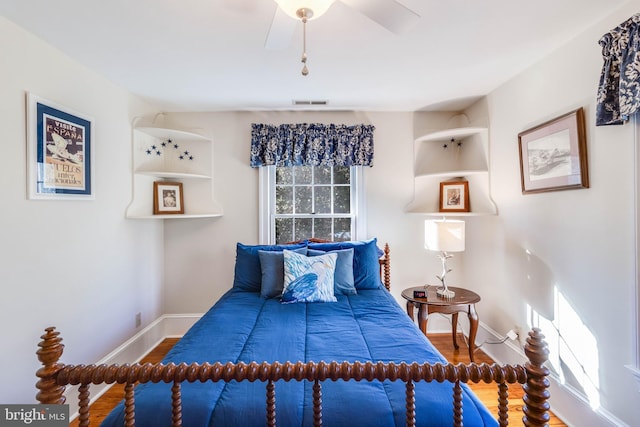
<point>303,200</point>
<point>322,175</point>
<point>284,200</point>
<point>303,190</point>
<point>302,174</point>
<point>284,175</point>
<point>342,229</point>
<point>322,228</point>
<point>323,199</point>
<point>303,228</point>
<point>341,200</point>
<point>341,175</point>
<point>284,230</point>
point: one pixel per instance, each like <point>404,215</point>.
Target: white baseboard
<point>134,349</point>
<point>566,402</point>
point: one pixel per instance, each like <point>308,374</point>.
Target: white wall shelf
<point>452,155</point>
<point>172,216</point>
<point>163,154</point>
<point>173,175</point>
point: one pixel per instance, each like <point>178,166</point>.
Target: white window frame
<point>635,369</point>
<point>636,172</point>
<point>266,204</point>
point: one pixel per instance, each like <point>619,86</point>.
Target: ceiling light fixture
<point>304,10</point>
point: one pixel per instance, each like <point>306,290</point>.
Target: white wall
<point>575,245</point>
<point>62,263</point>
<point>578,242</point>
<point>200,254</point>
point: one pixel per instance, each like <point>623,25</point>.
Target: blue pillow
<point>247,274</point>
<point>343,283</point>
<point>366,267</point>
<point>272,267</point>
<point>308,279</point>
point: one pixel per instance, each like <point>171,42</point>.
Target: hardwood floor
<point>101,407</point>
<point>487,393</point>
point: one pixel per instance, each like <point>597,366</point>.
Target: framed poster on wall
<point>59,151</point>
<point>553,155</point>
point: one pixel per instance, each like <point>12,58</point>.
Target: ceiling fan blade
<point>281,31</point>
<point>392,15</point>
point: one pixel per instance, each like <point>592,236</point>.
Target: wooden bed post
<point>536,405</point>
<point>49,354</point>
<point>385,264</point>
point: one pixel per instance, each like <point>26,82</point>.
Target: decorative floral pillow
<point>308,279</point>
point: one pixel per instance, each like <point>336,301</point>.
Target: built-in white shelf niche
<point>459,153</point>
<point>172,155</point>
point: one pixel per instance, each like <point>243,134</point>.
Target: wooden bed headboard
<point>385,267</point>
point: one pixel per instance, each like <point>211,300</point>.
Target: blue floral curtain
<point>311,145</point>
<point>619,89</point>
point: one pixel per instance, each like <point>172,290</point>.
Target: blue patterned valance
<point>619,89</point>
<point>311,145</point>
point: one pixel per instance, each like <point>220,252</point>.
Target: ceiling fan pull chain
<point>305,70</point>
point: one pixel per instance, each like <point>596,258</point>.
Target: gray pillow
<point>272,269</point>
<point>343,282</point>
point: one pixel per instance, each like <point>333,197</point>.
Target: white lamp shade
<point>291,7</point>
<point>444,235</point>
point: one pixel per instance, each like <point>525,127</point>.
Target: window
<point>301,202</point>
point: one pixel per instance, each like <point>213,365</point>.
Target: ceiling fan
<point>390,14</point>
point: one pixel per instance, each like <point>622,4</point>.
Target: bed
<point>276,350</point>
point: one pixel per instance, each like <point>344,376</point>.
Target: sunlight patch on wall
<point>573,349</point>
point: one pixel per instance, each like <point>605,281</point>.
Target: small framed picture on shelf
<point>454,196</point>
<point>553,155</point>
<point>167,198</point>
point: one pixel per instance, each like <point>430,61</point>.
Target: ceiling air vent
<point>309,102</point>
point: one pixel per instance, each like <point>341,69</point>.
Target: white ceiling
<point>209,55</point>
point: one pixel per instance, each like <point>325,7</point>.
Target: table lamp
<point>444,236</point>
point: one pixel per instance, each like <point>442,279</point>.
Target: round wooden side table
<point>463,302</point>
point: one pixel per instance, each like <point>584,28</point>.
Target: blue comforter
<point>242,326</point>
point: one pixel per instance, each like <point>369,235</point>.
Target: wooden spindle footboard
<point>54,376</point>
